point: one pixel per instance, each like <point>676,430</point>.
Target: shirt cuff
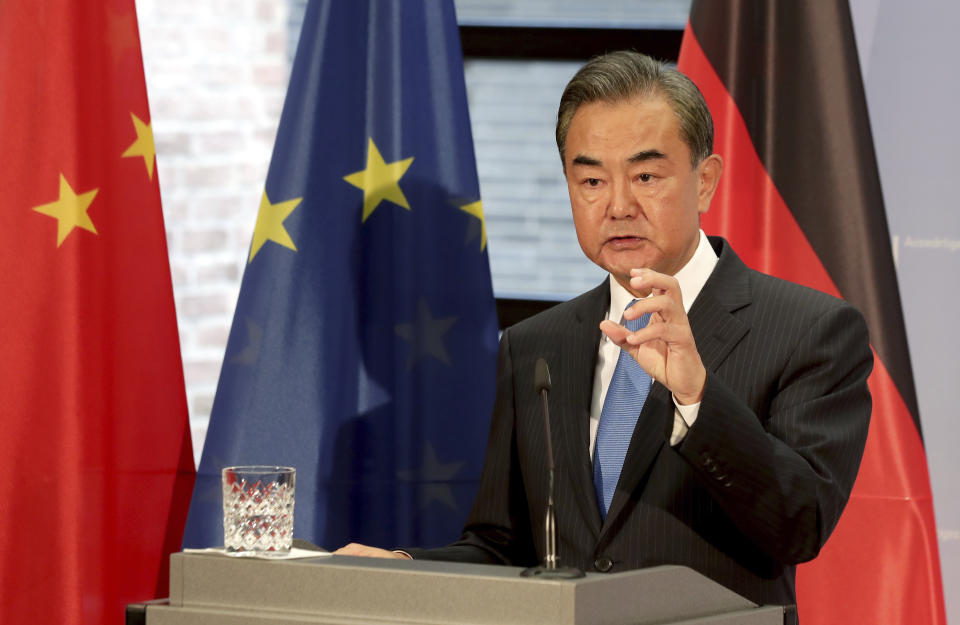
<point>684,416</point>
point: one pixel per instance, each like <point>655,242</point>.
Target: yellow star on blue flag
<point>380,181</point>
<point>270,224</point>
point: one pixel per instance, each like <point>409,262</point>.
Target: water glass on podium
<point>258,510</point>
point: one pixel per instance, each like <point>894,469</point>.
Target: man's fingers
<point>666,332</point>
<point>665,305</point>
<point>655,330</point>
<point>650,279</point>
<point>364,551</point>
<point>614,331</point>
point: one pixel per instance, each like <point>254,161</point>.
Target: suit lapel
<point>716,331</point>
<point>578,357</point>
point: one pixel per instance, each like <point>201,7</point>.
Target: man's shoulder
<point>780,308</point>
<point>786,293</point>
<point>767,290</point>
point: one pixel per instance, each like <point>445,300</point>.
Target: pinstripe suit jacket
<point>755,487</point>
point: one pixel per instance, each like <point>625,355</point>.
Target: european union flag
<point>363,347</point>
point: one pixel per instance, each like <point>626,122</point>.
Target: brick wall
<point>216,76</point>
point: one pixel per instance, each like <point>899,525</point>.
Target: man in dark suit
<point>725,432</point>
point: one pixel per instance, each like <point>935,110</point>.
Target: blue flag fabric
<point>363,347</point>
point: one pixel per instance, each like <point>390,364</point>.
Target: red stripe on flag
<point>881,564</point>
<point>752,216</point>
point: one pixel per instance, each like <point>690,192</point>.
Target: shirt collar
<point>691,277</point>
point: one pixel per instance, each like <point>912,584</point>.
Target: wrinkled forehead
<point>643,119</point>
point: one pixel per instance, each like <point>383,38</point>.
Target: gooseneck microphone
<point>541,382</point>
<point>551,563</point>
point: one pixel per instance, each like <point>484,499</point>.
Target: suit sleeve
<point>498,529</point>
<point>783,473</point>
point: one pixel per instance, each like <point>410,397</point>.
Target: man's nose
<point>623,204</point>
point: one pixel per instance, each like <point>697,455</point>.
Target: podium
<point>212,589</point>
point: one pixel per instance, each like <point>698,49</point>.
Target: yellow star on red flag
<point>143,146</point>
<point>70,210</point>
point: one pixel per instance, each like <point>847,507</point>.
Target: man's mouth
<point>624,242</point>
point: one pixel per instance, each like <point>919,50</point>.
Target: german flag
<point>800,199</point>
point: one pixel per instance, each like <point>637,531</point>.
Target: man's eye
<point>645,177</point>
<point>593,182</point>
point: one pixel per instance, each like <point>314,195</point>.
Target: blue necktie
<point>621,408</point>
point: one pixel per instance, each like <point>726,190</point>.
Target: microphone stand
<point>551,568</point>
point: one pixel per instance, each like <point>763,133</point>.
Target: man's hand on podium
<point>354,549</point>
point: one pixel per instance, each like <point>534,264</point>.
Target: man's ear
<point>708,177</point>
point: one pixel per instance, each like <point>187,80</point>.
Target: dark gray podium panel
<point>217,590</point>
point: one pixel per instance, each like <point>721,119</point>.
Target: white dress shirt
<point>691,277</point>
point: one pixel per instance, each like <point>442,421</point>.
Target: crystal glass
<point>258,509</point>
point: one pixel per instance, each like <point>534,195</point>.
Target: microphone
<point>551,563</point>
<point>541,378</point>
<point>541,382</point>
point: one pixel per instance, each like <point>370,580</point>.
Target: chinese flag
<point>800,198</point>
<point>96,464</point>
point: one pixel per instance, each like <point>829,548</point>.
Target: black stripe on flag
<point>793,71</point>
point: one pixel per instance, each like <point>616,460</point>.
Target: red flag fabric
<point>96,465</point>
<point>800,199</point>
